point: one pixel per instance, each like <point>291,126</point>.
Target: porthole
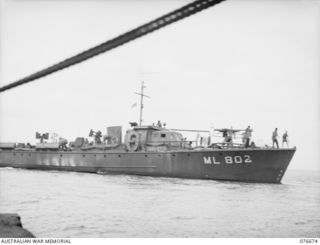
<point>83,155</point>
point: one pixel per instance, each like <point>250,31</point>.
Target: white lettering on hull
<point>207,160</point>
<point>214,161</point>
<point>228,160</point>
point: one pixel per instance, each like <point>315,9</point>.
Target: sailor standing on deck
<point>159,124</point>
<point>275,137</point>
<point>227,134</point>
<point>285,139</point>
<point>247,137</point>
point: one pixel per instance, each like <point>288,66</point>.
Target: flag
<point>134,105</point>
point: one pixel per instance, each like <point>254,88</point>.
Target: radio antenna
<point>141,101</point>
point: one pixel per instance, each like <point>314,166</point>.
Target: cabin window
<point>174,137</point>
<point>178,137</point>
<point>163,135</point>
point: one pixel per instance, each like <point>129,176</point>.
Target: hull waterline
<point>248,165</point>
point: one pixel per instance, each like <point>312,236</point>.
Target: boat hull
<point>249,165</point>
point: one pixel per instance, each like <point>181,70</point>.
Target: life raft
<point>132,142</point>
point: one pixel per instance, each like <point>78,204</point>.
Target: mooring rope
<point>140,31</point>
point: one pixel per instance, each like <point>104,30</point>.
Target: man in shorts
<point>275,138</point>
<point>285,139</point>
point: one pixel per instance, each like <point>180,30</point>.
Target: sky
<point>239,63</point>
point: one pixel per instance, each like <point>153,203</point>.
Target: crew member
<point>275,138</point>
<point>159,124</point>
<point>285,139</point>
<point>229,138</point>
<point>247,137</point>
<point>226,138</point>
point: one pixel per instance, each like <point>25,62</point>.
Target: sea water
<point>69,204</point>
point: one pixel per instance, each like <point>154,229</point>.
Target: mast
<point>141,101</point>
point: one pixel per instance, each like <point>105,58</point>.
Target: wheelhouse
<point>151,138</point>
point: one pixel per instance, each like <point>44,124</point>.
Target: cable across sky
<point>138,32</point>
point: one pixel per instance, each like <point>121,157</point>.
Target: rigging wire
<point>140,31</point>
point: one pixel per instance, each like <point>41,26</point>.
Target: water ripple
<point>67,204</point>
